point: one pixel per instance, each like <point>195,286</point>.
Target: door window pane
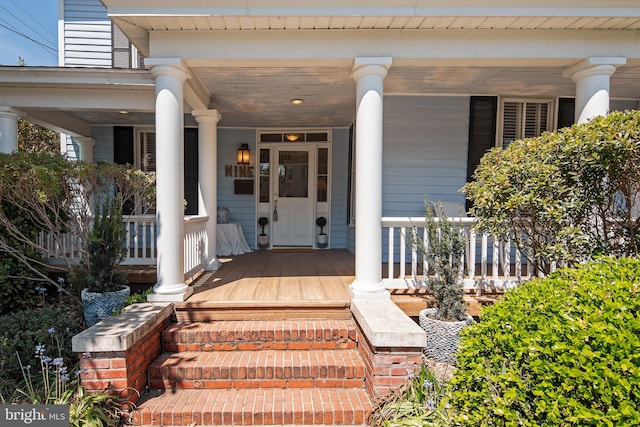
<point>264,175</point>
<point>293,174</point>
<point>323,172</point>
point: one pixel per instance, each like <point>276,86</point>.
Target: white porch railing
<point>195,244</point>
<point>142,232</point>
<point>487,262</point>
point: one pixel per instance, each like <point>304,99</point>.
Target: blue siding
<point>339,185</point>
<point>242,207</point>
<point>425,154</point>
<point>103,150</point>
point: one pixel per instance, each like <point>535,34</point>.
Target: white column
<point>369,74</point>
<point>170,76</point>
<point>208,178</point>
<point>592,77</point>
<point>8,129</point>
<point>86,148</point>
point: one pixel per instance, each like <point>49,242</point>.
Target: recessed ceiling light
<point>297,101</point>
<point>123,112</point>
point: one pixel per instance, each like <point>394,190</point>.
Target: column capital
<point>594,65</point>
<point>206,116</point>
<point>167,67</point>
<point>10,113</point>
<point>366,65</point>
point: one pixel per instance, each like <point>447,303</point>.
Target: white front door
<point>293,196</point>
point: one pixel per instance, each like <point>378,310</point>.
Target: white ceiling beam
<point>78,98</point>
<point>59,121</point>
<point>328,45</point>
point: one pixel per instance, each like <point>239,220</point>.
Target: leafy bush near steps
<point>23,330</point>
<point>558,351</point>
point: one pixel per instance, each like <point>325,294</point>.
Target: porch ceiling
<point>259,96</point>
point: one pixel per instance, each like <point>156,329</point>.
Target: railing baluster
<point>390,254</point>
<point>472,254</point>
<point>403,245</point>
<point>496,260</point>
<point>484,258</point>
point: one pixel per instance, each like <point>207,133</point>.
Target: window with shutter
<point>146,160</point>
<point>523,119</point>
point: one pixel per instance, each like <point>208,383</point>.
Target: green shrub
<point>22,331</point>
<point>17,290</point>
<point>565,196</point>
<point>558,351</point>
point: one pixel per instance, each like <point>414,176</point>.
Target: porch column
<point>592,77</point>
<point>170,75</point>
<point>8,129</point>
<point>369,74</point>
<point>208,178</point>
<point>86,148</point>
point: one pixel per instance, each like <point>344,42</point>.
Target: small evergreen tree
<point>443,252</point>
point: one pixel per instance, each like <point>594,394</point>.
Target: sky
<point>25,26</point>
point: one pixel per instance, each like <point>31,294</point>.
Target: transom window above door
<point>293,136</point>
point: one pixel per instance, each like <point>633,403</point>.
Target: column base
<point>213,265</point>
<point>179,296</point>
<point>369,291</point>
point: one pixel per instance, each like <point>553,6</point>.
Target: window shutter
<point>123,145</point>
<point>191,170</point>
<point>482,131</point>
<point>566,112</point>
<point>147,151</point>
<point>536,119</point>
<point>511,122</point>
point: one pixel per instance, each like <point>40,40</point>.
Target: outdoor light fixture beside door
<point>243,154</point>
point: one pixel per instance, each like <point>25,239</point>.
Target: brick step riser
<point>258,346</point>
<point>229,418</point>
<point>255,407</point>
<point>257,372</point>
<point>262,384</point>
<point>234,333</point>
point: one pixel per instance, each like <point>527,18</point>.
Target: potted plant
<point>103,286</point>
<point>443,252</point>
<point>263,239</point>
<point>321,239</point>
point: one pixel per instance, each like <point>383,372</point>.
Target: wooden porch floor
<point>290,284</point>
<point>298,284</point>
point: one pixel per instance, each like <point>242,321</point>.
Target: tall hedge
<point>560,351</point>
<point>566,196</point>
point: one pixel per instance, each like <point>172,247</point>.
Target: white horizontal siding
<point>87,34</point>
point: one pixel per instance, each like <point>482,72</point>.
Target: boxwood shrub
<point>564,350</point>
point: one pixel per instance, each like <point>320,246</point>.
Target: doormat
<point>292,249</point>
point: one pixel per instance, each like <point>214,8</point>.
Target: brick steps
<point>260,335</point>
<point>253,407</point>
<point>296,372</point>
<point>267,369</point>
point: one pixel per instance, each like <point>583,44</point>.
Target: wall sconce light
<point>243,154</point>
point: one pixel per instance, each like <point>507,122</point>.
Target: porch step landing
<point>269,372</point>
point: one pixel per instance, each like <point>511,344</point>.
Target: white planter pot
<point>263,241</point>
<point>321,240</point>
<point>100,305</point>
<point>442,337</point>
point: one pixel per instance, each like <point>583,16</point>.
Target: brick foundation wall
<point>122,372</point>
<point>115,354</point>
<point>387,369</point>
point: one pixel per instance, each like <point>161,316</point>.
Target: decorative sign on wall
<point>238,171</point>
<point>243,186</point>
